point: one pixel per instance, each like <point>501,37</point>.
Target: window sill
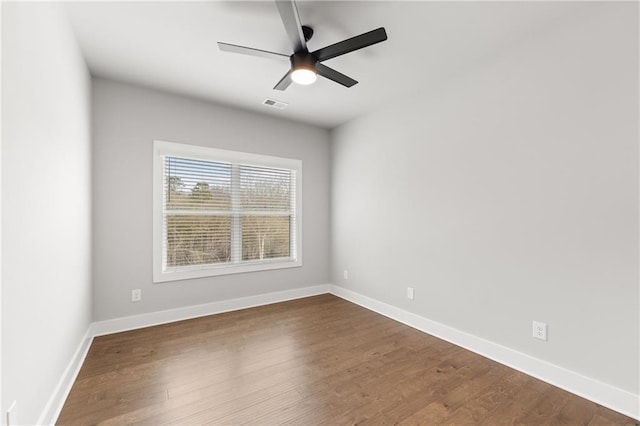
<point>212,271</point>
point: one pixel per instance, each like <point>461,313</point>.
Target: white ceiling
<point>172,46</point>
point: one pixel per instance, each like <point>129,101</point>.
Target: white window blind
<point>224,212</point>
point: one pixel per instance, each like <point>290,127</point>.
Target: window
<point>223,212</point>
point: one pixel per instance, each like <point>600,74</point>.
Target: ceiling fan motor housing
<point>303,61</point>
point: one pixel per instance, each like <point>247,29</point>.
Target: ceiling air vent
<point>274,104</point>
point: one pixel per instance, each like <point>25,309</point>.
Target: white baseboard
<point>162,317</point>
<point>56,401</point>
<point>601,393</point>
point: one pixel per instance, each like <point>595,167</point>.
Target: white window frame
<point>162,149</point>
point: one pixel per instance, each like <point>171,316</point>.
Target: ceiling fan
<point>305,65</point>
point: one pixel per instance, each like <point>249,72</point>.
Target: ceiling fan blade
<point>284,82</point>
<point>334,75</point>
<point>250,51</point>
<point>291,20</point>
<point>351,44</point>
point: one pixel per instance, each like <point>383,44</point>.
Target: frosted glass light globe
<point>303,76</point>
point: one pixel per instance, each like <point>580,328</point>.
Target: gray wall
<point>46,201</point>
<point>510,195</point>
<point>126,120</point>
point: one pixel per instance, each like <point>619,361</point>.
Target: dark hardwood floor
<point>319,360</point>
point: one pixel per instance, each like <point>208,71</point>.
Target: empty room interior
<point>320,212</point>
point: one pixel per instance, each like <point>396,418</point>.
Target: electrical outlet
<point>345,274</point>
<point>410,294</point>
<point>12,414</point>
<point>136,295</point>
<point>540,330</point>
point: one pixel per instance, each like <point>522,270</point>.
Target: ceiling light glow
<point>303,76</point>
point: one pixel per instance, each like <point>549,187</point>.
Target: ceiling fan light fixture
<point>303,76</point>
<point>305,65</point>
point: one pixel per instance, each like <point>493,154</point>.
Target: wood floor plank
<point>612,417</point>
<point>498,395</point>
<point>318,360</point>
<point>467,392</point>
